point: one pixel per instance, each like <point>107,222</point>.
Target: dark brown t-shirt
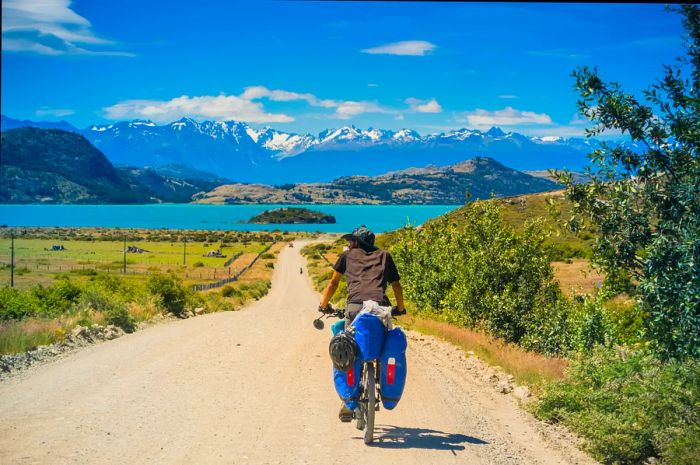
<point>367,274</point>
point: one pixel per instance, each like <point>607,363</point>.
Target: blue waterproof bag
<point>369,336</point>
<point>393,368</point>
<point>347,384</point>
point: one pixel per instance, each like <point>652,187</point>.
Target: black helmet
<point>342,350</point>
<point>363,236</point>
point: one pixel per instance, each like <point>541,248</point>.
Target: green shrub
<point>267,256</point>
<point>269,265</point>
<point>230,291</point>
<point>479,272</point>
<point>215,303</point>
<point>198,264</point>
<point>119,316</point>
<point>16,304</point>
<point>255,289</point>
<point>629,405</point>
<point>171,294</point>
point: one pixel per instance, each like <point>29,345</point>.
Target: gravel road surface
<point>255,387</point>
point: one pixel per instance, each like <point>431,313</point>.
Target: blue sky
<point>307,66</point>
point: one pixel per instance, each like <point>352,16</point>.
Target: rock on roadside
<point>80,336</point>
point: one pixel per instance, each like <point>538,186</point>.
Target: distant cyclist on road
<point>367,270</point>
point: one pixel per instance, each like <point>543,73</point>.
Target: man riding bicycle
<point>367,269</point>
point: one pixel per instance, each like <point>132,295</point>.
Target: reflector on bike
<point>390,370</point>
<point>350,377</point>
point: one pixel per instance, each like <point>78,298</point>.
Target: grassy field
<point>106,296</point>
<point>518,210</point>
<point>88,252</point>
<point>91,268</point>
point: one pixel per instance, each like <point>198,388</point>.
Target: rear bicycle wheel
<point>370,393</point>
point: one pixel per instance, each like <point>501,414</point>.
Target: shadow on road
<point>396,437</point>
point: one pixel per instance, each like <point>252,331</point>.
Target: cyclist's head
<point>361,237</point>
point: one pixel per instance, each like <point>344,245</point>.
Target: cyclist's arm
<point>330,289</point>
<point>398,293</point>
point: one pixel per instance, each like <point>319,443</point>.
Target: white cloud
<point>222,107</point>
<point>371,84</point>
<point>348,109</point>
<point>508,96</point>
<point>243,107</point>
<point>57,112</point>
<point>258,92</point>
<point>406,47</point>
<point>558,53</point>
<point>49,27</point>
<point>508,116</point>
<point>424,106</point>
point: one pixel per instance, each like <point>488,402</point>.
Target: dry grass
<point>527,367</point>
<point>143,311</point>
<point>576,277</point>
<point>20,336</point>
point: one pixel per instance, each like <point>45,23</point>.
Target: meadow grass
<point>138,305</point>
<point>20,336</point>
<point>34,264</point>
<point>528,368</point>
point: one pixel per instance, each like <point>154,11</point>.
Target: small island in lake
<point>292,215</point>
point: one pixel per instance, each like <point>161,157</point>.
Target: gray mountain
<point>237,151</point>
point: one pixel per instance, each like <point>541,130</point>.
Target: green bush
<point>119,316</point>
<point>267,256</point>
<point>480,273</point>
<point>16,304</point>
<point>255,289</point>
<point>198,264</point>
<point>171,294</point>
<point>101,300</point>
<point>629,405</point>
<point>269,265</point>
<point>230,291</point>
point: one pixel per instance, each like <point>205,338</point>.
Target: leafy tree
<point>645,203</point>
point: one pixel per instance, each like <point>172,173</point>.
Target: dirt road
<point>255,387</point>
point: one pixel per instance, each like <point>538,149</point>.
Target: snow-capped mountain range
<point>243,153</point>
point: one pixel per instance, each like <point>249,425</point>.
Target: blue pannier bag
<point>369,336</point>
<point>393,368</point>
<point>347,384</point>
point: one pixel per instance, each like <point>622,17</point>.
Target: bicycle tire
<point>371,391</point>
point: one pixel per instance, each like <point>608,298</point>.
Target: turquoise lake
<point>379,218</point>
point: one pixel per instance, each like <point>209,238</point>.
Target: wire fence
<point>207,286</point>
<point>34,261</point>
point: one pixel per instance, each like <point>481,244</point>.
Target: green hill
<point>56,166</point>
<point>292,216</point>
<point>432,185</point>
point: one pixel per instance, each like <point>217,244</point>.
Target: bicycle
<point>370,391</point>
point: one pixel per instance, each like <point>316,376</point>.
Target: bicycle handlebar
<point>340,312</point>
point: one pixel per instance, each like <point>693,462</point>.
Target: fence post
<point>12,260</point>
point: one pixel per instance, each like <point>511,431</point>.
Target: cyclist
<point>367,269</point>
